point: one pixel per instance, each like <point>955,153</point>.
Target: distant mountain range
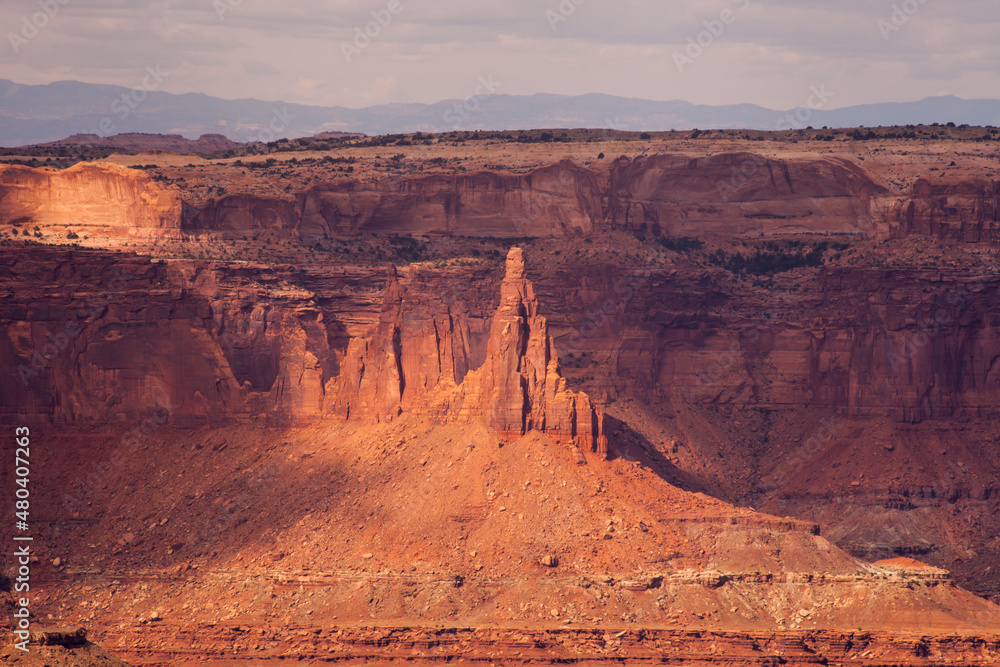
<point>38,114</point>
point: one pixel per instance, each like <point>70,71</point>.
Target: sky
<point>357,53</point>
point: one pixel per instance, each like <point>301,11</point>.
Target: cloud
<point>769,54</point>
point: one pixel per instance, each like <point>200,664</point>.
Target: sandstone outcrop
<point>965,211</point>
<point>860,350</point>
<point>740,194</point>
<point>242,215</point>
<point>105,200</point>
<point>910,343</point>
<point>734,194</point>
<point>868,359</point>
<point>518,388</point>
<point>371,381</point>
<point>116,344</point>
<point>557,200</point>
<point>730,194</point>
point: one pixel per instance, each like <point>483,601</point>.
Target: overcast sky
<point>768,52</point>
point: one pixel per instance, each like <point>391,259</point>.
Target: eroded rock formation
<point>966,211</point>
<point>518,388</point>
<point>798,391</point>
<point>739,194</point>
<point>116,343</point>
<point>241,215</point>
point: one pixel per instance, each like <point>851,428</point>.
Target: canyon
<point>720,389</point>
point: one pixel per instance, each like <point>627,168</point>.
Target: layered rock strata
<point>730,194</point>
<point>740,194</point>
<point>963,211</point>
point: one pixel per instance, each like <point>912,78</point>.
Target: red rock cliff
<point>104,200</point>
<point>243,214</point>
<point>557,200</point>
<point>966,211</point>
<point>740,194</point>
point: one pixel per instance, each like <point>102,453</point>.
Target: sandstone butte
<point>395,467</point>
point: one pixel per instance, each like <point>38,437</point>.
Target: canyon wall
<point>94,337</point>
<point>102,201</point>
<point>730,194</point>
<point>861,395</point>
<point>740,194</point>
<point>911,344</point>
<point>199,343</point>
<point>558,200</point>
<point>963,211</point>
<point>243,215</point>
<point>785,396</point>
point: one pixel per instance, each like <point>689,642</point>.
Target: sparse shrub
<point>681,244</point>
<point>773,258</point>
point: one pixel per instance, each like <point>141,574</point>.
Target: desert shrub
<point>772,258</point>
<point>681,244</point>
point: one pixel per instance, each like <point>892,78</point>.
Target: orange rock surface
<point>735,194</point>
<point>370,446</point>
<point>103,200</point>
